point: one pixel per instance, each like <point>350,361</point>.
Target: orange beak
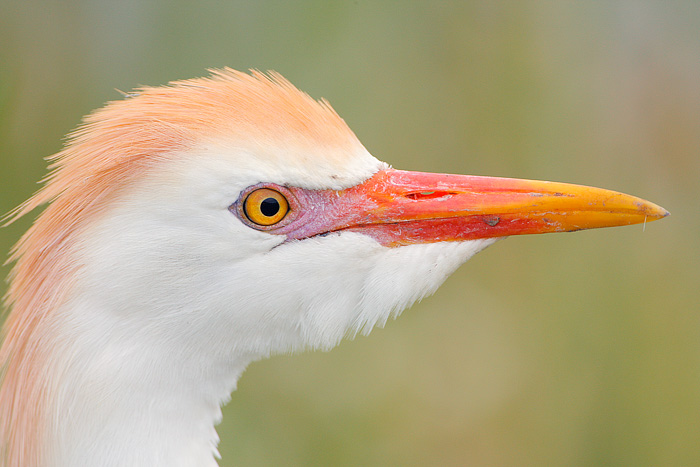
<point>399,208</point>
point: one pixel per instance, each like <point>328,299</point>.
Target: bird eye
<point>265,207</point>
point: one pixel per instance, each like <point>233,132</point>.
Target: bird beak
<point>397,207</point>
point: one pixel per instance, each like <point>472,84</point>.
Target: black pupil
<point>269,207</point>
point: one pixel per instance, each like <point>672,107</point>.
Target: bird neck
<point>114,396</point>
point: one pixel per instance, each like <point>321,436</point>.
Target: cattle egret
<point>194,228</point>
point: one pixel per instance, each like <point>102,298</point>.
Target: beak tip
<point>655,212</point>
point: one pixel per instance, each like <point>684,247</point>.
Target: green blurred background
<point>579,349</point>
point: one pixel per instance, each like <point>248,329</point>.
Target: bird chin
<point>394,278</point>
<point>407,274</point>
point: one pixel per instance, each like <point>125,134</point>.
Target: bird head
<point>235,212</point>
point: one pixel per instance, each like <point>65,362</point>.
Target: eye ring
<point>265,207</point>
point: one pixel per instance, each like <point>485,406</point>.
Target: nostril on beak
<point>428,195</point>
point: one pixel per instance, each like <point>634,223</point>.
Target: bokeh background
<point>577,349</point>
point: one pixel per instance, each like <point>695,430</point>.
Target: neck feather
<point>88,390</point>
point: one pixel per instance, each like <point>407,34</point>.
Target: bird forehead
<point>238,166</point>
